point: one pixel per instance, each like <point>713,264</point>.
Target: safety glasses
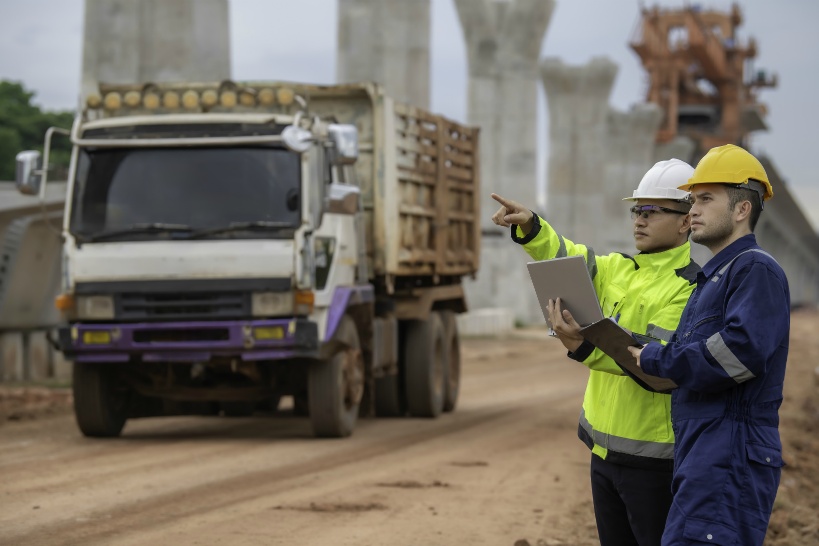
<point>648,211</point>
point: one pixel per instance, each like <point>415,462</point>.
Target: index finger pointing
<point>502,201</point>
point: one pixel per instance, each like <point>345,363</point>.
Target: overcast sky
<point>41,45</point>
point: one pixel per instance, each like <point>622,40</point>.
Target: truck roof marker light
<point>210,98</point>
<point>190,99</point>
<point>170,99</point>
<point>93,101</point>
<point>151,101</point>
<point>246,98</point>
<point>285,96</point>
<point>132,99</point>
<point>113,101</point>
<point>266,97</point>
<point>228,99</point>
<point>64,302</point>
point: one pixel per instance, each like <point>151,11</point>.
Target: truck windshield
<point>176,192</point>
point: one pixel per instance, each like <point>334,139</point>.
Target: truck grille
<point>189,305</point>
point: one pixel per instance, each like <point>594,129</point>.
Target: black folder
<point>613,340</point>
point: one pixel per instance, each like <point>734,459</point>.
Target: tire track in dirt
<point>221,494</point>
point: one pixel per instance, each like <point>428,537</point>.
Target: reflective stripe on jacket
<point>620,421</point>
<point>728,357</point>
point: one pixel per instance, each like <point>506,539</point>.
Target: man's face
<point>661,230</point>
<point>711,220</point>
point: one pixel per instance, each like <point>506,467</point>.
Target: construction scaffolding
<point>701,75</point>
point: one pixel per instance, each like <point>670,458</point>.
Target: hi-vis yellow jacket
<point>620,421</point>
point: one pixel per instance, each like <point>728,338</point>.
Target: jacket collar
<point>674,258</point>
<point>729,252</point>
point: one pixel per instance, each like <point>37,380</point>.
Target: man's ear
<point>742,211</point>
<point>685,227</point>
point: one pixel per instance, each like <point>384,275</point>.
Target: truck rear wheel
<point>237,408</point>
<point>389,401</point>
<point>453,370</point>
<point>101,399</point>
<point>335,386</point>
<point>425,361</point>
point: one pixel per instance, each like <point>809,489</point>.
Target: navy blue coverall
<point>728,358</point>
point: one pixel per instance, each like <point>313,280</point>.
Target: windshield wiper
<point>155,227</point>
<point>241,226</point>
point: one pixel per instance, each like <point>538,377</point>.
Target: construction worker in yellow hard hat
<point>627,429</point>
<point>728,357</point>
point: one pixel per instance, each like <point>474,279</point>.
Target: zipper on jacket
<point>700,323</point>
<point>614,314</point>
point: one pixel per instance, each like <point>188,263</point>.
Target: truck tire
<point>300,406</point>
<point>453,370</point>
<point>425,366</point>
<point>335,386</point>
<point>101,399</point>
<point>237,408</point>
<point>389,401</point>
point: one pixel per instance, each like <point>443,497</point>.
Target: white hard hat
<point>662,180</point>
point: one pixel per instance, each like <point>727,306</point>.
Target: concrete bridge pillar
<point>630,150</point>
<point>155,40</point>
<point>503,41</point>
<point>578,101</point>
<point>386,41</point>
<point>680,147</point>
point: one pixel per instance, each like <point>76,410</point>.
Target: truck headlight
<point>95,307</point>
<point>267,304</point>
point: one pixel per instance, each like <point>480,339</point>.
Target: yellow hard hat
<point>730,164</point>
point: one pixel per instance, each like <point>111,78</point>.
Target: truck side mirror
<point>29,174</point>
<point>345,141</point>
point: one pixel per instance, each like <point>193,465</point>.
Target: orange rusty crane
<point>697,74</point>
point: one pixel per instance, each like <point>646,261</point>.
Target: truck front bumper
<point>249,340</point>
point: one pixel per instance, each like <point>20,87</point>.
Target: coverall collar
<point>723,256</point>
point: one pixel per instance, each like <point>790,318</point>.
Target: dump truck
<point>230,244</point>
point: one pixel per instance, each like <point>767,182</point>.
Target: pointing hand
<point>512,213</point>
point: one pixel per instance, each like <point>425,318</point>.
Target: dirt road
<point>505,467</point>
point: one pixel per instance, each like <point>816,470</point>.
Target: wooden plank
<point>464,146</point>
<point>409,175</point>
<point>459,160</point>
<point>415,210</point>
<point>461,216</point>
<point>441,203</point>
<point>458,185</point>
<point>417,147</point>
<point>458,173</point>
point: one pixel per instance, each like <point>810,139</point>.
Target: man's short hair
<point>738,194</point>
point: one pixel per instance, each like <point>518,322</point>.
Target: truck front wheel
<point>335,386</point>
<point>453,371</point>
<point>101,399</point>
<point>425,363</point>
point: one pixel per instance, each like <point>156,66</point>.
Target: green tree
<point>23,126</point>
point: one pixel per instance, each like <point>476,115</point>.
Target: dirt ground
<point>505,468</point>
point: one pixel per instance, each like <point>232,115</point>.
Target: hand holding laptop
<point>564,325</point>
<point>564,283</point>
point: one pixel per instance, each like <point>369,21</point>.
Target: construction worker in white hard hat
<point>728,357</point>
<point>627,428</point>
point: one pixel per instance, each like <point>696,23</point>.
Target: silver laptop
<point>567,279</point>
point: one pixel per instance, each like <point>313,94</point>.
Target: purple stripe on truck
<point>344,297</point>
